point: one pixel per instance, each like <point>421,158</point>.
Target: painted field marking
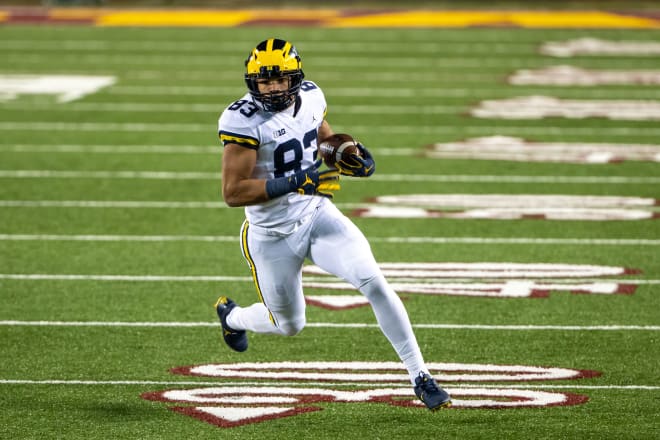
<point>223,278</point>
<point>111,149</point>
<point>416,240</point>
<point>652,328</point>
<point>608,130</point>
<point>518,149</point>
<point>196,175</point>
<point>149,149</point>
<point>137,278</point>
<point>343,18</point>
<point>450,91</point>
<point>380,92</point>
<point>576,76</point>
<point>542,106</point>
<point>401,63</point>
<point>66,87</point>
<point>511,206</point>
<point>596,46</point>
<point>391,93</point>
<point>214,108</point>
<point>215,75</point>
<point>239,384</point>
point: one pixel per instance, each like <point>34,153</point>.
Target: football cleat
<point>430,393</point>
<point>236,339</point>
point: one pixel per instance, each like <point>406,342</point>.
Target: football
<point>337,147</point>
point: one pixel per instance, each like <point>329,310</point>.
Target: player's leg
<point>276,270</point>
<point>340,248</point>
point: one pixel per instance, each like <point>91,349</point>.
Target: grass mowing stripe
<point>415,240</point>
<point>308,384</point>
<point>194,175</point>
<point>652,328</point>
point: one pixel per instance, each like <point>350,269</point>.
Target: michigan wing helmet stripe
<point>274,58</point>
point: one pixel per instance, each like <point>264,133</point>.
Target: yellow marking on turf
<point>218,17</point>
<point>527,19</point>
<point>174,18</point>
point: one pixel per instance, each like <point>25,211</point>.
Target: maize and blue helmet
<point>274,58</point>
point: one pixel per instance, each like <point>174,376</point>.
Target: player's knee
<point>293,327</point>
<point>376,287</point>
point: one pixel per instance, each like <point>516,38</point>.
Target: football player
<point>270,167</point>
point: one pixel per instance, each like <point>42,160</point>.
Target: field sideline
<point>514,210</point>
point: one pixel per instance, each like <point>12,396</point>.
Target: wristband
<point>278,187</point>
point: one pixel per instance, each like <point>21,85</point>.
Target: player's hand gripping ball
<point>340,151</point>
<point>337,147</point>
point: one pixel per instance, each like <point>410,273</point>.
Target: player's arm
<point>238,188</point>
<point>325,131</point>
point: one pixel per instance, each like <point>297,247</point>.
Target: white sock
<point>393,320</point>
<point>254,318</point>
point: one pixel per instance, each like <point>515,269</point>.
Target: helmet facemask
<point>274,59</point>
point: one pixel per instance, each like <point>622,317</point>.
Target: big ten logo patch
<point>295,388</point>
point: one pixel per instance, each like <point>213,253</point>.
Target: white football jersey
<point>285,142</point>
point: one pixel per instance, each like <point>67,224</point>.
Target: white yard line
<point>224,278</point>
<point>137,278</point>
<point>609,130</point>
<point>217,76</point>
<point>394,93</point>
<point>308,384</point>
<point>129,204</point>
<point>356,60</point>
<point>415,240</point>
<point>116,149</point>
<point>394,61</point>
<point>152,149</point>
<point>217,108</point>
<point>653,328</point>
<point>460,178</point>
<point>124,204</point>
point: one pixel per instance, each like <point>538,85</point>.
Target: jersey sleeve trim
<point>227,137</point>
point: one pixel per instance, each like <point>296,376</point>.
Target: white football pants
<point>332,242</point>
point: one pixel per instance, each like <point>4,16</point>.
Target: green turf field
<point>115,243</point>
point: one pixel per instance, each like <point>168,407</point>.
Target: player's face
<point>270,85</point>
